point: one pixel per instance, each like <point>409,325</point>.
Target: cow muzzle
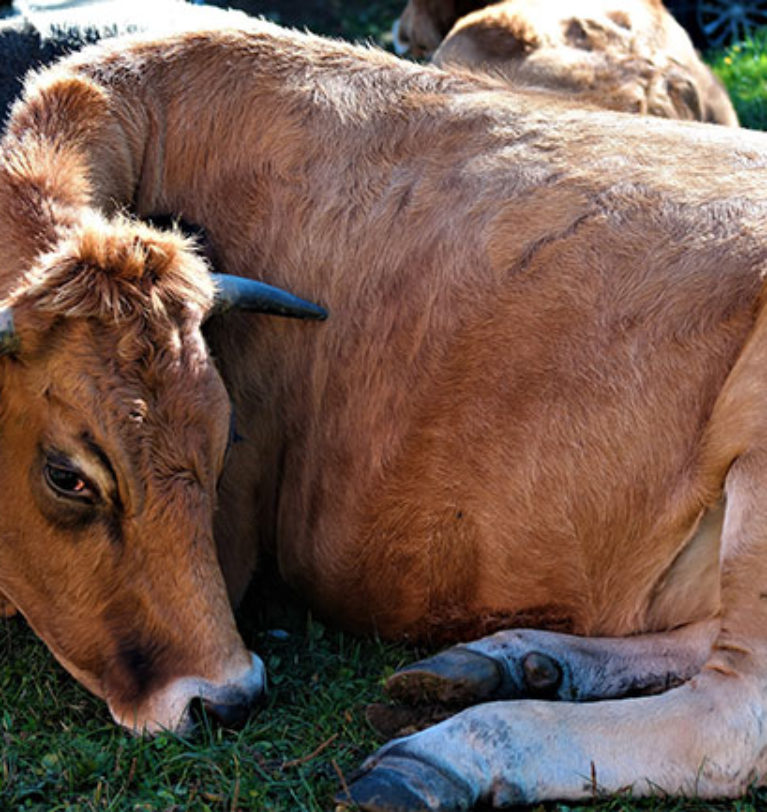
<point>176,706</point>
<point>399,42</point>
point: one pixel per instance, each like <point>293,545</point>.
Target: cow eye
<point>69,483</point>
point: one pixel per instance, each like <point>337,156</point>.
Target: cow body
<point>630,56</point>
<point>539,396</point>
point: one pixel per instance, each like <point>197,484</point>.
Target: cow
<point>630,56</point>
<point>422,25</point>
<point>538,400</point>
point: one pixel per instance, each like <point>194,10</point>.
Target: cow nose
<point>233,713</point>
<point>186,700</point>
<point>400,40</point>
<point>231,704</point>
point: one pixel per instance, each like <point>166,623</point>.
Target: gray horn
<point>247,294</point>
<point>9,341</point>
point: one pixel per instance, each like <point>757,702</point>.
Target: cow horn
<point>236,291</point>
<point>9,341</point>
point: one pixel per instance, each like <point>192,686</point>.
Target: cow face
<point>113,431</point>
<point>423,24</point>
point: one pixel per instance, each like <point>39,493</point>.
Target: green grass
<point>59,749</point>
<point>743,69</point>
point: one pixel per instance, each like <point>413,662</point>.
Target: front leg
<point>706,738</point>
<point>527,663</point>
<point>703,739</point>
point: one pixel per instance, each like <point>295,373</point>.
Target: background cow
<point>543,400</point>
<point>626,55</point>
<point>423,25</point>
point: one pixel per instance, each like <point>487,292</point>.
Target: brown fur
<point>629,56</point>
<point>516,405</point>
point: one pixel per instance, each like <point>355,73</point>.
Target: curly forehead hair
<point>119,272</point>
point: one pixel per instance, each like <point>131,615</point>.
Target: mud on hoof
<point>395,721</point>
<point>397,783</point>
<point>454,677</point>
<point>460,676</point>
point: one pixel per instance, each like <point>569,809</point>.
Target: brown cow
<point>540,396</point>
<point>424,24</point>
<point>625,55</point>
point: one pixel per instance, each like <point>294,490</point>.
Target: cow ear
<point>248,294</point>
<point>9,341</point>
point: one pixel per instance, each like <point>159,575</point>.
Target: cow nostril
<point>229,704</point>
<point>232,713</point>
<point>227,714</point>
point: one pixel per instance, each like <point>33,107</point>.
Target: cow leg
<point>527,663</point>
<point>7,609</point>
<point>700,739</point>
<point>706,737</point>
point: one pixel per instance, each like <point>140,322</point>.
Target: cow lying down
<point>625,55</point>
<point>540,397</point>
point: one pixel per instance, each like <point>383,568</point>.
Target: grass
<point>59,749</point>
<point>743,69</point>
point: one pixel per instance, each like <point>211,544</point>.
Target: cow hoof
<point>401,784</point>
<point>457,676</point>
<point>394,721</point>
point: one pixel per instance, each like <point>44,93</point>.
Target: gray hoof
<point>400,784</point>
<point>457,676</point>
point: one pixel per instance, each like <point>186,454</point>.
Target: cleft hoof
<point>398,784</point>
<point>456,677</point>
<point>543,676</point>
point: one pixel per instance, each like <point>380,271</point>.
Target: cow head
<point>423,24</point>
<point>114,425</point>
